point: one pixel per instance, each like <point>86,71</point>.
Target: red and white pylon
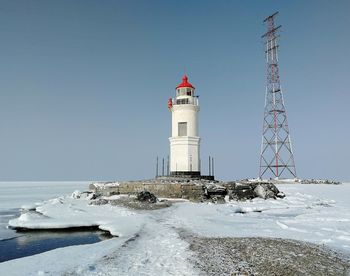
<point>276,156</point>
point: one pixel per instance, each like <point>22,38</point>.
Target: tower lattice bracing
<point>276,157</point>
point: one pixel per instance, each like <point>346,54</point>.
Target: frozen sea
<point>14,195</point>
<point>148,242</point>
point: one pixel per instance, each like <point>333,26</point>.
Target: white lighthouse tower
<point>184,140</point>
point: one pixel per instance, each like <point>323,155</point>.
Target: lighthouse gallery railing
<point>193,101</point>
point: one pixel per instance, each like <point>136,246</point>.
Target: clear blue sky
<point>84,85</point>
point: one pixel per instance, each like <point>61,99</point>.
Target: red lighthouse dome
<point>185,83</point>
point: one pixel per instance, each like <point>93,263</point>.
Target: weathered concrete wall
<point>173,190</point>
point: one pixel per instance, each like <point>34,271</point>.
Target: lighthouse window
<point>182,92</point>
<point>182,128</point>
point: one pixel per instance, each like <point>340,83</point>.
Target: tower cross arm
<point>271,16</point>
<point>271,31</point>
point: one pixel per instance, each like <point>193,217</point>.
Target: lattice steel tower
<point>276,157</point>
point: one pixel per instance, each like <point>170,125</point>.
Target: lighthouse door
<point>182,128</point>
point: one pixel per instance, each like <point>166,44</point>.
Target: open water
<point>34,242</point>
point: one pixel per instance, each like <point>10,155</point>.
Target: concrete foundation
<point>189,191</point>
<point>186,174</point>
<point>186,188</point>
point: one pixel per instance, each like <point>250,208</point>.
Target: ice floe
<point>74,211</point>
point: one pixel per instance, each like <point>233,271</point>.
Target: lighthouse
<point>184,140</point>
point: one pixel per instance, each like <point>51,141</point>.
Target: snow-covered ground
<point>149,243</point>
<point>314,213</point>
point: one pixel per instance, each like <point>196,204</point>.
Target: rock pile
<point>146,196</point>
<point>242,191</point>
<point>319,181</point>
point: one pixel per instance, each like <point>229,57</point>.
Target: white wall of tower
<point>184,154</point>
<point>185,113</point>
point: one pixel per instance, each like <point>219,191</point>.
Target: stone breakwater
<point>193,190</point>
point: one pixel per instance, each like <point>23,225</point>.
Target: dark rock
<point>146,196</point>
<point>272,188</point>
<point>244,191</point>
<point>89,195</point>
<point>214,189</point>
<point>215,193</point>
<point>94,196</point>
<point>218,199</point>
<point>266,190</point>
<point>99,201</point>
<point>243,194</point>
<point>243,186</point>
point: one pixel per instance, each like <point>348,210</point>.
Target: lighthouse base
<point>186,174</point>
